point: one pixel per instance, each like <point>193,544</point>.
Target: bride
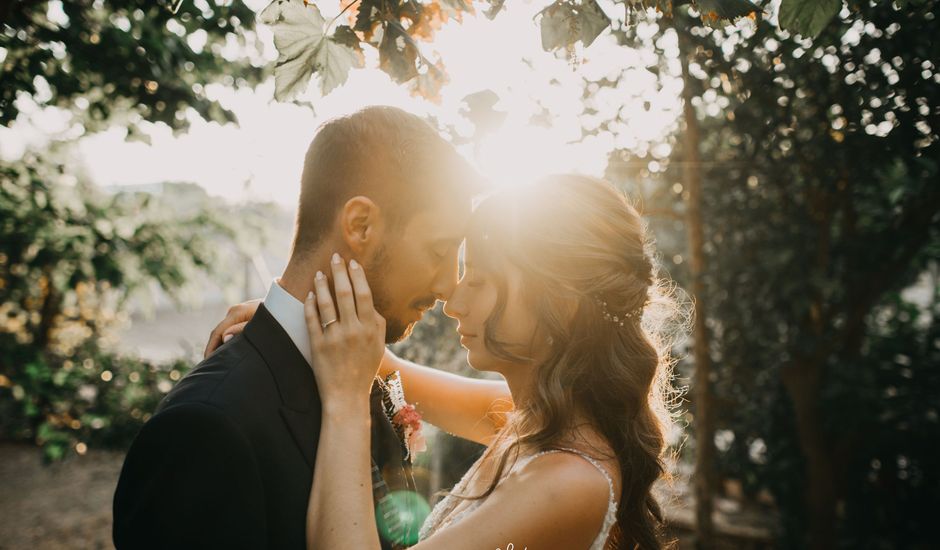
<point>557,278</point>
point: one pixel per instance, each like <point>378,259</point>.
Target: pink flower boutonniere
<point>404,416</point>
<point>409,421</point>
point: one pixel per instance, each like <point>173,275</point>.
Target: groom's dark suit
<point>227,460</point>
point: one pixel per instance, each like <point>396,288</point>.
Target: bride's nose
<point>455,307</point>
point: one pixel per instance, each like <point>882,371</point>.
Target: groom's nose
<point>445,282</point>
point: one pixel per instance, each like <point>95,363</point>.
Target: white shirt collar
<point>288,311</point>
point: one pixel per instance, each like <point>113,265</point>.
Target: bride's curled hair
<point>582,248</point>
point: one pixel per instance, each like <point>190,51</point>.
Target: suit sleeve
<point>190,480</point>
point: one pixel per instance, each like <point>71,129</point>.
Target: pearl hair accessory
<point>619,319</point>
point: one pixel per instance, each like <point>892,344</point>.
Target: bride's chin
<point>476,362</point>
<point>470,360</point>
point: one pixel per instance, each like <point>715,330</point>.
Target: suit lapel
<point>301,408</point>
<point>300,400</point>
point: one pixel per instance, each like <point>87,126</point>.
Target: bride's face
<point>472,303</point>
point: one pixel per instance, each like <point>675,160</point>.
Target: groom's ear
<point>361,224</point>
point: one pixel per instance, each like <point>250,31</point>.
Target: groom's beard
<point>396,329</point>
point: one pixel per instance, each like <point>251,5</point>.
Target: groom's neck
<point>298,276</point>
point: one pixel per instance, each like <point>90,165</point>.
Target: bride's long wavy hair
<point>578,242</point>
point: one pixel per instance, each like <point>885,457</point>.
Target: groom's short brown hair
<point>393,157</point>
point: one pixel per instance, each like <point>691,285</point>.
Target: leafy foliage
<point>564,23</point>
<point>71,257</point>
<point>101,58</point>
<point>820,206</point>
<point>71,254</point>
<point>395,29</point>
<point>89,399</point>
<point>808,17</point>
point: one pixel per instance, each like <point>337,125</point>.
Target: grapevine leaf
<point>807,17</point>
<point>334,61</point>
<point>303,49</point>
<point>593,21</point>
<point>559,25</point>
<point>347,37</point>
<point>397,54</point>
<point>365,16</point>
<point>564,23</point>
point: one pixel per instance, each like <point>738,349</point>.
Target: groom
<point>227,460</point>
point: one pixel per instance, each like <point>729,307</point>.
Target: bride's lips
<point>464,337</point>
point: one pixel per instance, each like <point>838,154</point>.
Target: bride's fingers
<point>363,293</point>
<point>314,330</point>
<point>343,289</point>
<point>324,300</point>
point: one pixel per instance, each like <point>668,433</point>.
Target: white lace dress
<point>441,516</point>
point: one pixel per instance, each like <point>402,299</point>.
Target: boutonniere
<point>405,418</point>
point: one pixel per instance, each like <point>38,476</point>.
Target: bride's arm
<point>337,514</point>
<point>346,354</point>
<point>466,407</point>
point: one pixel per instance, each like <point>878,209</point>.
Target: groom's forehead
<point>443,229</point>
<point>447,217</point>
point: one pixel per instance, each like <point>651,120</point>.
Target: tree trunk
<point>802,381</point>
<point>703,423</point>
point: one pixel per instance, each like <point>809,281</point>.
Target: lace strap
<point>610,482</point>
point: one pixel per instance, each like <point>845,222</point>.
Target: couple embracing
<point>294,431</point>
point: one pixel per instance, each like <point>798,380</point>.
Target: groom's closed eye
<point>439,252</point>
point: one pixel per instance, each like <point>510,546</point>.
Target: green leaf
<point>334,61</point>
<point>564,23</point>
<point>303,49</point>
<point>347,37</point>
<point>593,21</point>
<point>397,54</point>
<point>298,30</point>
<point>368,9</point>
<point>807,17</point>
<point>559,25</point>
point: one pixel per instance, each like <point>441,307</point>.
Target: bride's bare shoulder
<point>556,500</point>
<point>589,442</point>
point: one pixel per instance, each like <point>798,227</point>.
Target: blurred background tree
<point>817,160</point>
<point>72,254</point>
<point>821,205</point>
<point>125,61</point>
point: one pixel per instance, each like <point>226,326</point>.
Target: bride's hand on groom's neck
<point>347,335</point>
<point>234,322</point>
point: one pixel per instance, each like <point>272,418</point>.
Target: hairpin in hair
<point>620,318</point>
